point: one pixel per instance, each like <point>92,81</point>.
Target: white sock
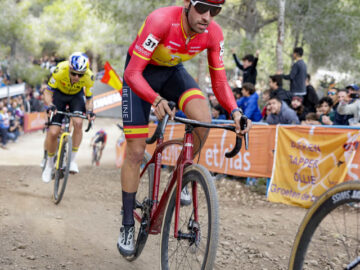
<point>50,161</point>
<point>73,155</point>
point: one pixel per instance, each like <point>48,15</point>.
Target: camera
<point>354,95</point>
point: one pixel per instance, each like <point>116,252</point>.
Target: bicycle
<point>95,154</point>
<point>329,234</point>
<point>63,156</point>
<point>189,233</point>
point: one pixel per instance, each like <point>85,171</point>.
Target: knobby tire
<point>182,254</point>
<point>329,235</point>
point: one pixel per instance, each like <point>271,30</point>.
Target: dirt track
<point>81,232</point>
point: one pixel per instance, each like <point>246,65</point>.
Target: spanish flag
<point>111,78</point>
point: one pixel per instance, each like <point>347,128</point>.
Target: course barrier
<point>34,121</point>
<point>309,159</point>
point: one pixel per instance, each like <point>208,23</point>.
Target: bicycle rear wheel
<point>62,173</point>
<point>329,235</point>
<point>197,248</point>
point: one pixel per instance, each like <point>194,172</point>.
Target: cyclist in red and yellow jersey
<point>69,84</point>
<point>154,74</point>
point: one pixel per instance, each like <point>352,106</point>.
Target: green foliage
<point>106,28</point>
<point>32,74</point>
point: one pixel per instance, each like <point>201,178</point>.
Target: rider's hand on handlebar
<point>51,110</point>
<point>162,108</point>
<point>91,115</point>
<point>237,116</point>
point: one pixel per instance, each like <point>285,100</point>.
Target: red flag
<point>111,78</point>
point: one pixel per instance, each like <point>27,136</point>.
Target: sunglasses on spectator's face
<point>76,74</point>
<point>331,93</point>
<point>202,8</point>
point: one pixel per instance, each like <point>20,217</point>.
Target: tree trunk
<point>281,35</point>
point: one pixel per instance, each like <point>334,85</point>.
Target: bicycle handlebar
<point>69,114</point>
<point>160,129</point>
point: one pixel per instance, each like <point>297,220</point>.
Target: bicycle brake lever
<point>243,125</point>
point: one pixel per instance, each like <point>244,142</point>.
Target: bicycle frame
<point>158,207</point>
<point>63,135</point>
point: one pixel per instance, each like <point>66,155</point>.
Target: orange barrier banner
<point>34,121</point>
<point>107,101</point>
<point>256,162</point>
<point>310,160</point>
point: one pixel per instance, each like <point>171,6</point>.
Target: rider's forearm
<point>89,104</point>
<point>48,96</point>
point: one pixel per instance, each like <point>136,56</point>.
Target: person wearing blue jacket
<point>249,102</point>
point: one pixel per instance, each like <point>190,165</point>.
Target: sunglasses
<point>202,8</point>
<point>331,93</point>
<point>76,74</point>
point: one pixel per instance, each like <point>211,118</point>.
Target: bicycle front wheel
<point>62,171</point>
<point>329,235</point>
<point>196,248</point>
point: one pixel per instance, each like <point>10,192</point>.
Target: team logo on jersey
<point>52,80</point>
<point>222,50</point>
<point>150,43</point>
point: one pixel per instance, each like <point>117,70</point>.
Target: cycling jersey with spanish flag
<point>162,41</point>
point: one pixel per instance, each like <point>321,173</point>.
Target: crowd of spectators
<point>13,108</point>
<point>300,104</point>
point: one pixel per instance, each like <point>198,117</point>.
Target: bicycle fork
<point>63,135</point>
<point>187,153</point>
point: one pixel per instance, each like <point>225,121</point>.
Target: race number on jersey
<point>150,43</point>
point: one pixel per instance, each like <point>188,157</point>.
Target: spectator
<point>237,93</point>
<point>248,67</point>
<point>216,113</point>
<point>352,107</point>
<point>27,104</point>
<point>297,74</point>
<point>4,125</point>
<point>14,127</point>
<point>36,104</point>
<point>281,113</point>
<point>214,102</point>
<point>311,98</point>
<point>333,94</point>
<point>299,108</point>
<point>265,98</point>
<point>275,84</point>
<point>180,113</point>
<point>340,119</point>
<point>353,90</point>
<point>249,102</point>
<point>327,116</point>
<point>311,119</point>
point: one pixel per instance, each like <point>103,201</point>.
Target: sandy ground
<point>81,232</point>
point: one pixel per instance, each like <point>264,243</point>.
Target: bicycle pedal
<point>138,205</point>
